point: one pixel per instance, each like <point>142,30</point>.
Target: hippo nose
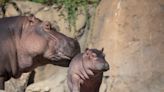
<point>106,66</point>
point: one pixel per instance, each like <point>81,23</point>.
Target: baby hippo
<point>86,71</point>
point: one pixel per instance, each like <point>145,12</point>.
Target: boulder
<point>17,85</point>
<point>59,18</point>
<point>11,10</point>
<point>132,33</point>
<point>27,7</point>
<point>53,83</point>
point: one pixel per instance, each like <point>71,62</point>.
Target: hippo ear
<point>46,26</point>
<point>102,49</point>
<point>86,49</point>
<point>88,54</point>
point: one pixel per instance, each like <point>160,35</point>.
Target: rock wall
<point>132,33</point>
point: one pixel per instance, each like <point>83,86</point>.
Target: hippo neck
<point>11,28</point>
<point>17,26</point>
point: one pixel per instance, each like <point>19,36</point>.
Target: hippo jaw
<point>64,56</point>
<point>67,53</point>
<point>102,67</point>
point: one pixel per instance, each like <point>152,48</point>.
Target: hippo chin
<point>27,42</point>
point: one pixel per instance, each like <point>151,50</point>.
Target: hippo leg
<point>75,83</point>
<point>2,81</point>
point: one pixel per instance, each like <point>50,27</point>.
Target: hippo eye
<point>47,26</point>
<point>94,55</point>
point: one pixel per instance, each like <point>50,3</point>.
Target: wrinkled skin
<point>27,42</point>
<point>86,71</point>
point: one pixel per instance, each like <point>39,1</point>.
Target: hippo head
<point>59,46</point>
<point>95,60</point>
<point>39,38</point>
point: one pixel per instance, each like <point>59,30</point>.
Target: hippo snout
<point>106,67</point>
<point>68,48</point>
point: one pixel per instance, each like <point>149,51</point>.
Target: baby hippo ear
<point>46,26</point>
<point>102,49</point>
<point>86,49</point>
<point>88,54</point>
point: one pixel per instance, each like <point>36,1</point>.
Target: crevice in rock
<point>16,7</point>
<point>31,78</point>
<point>2,10</point>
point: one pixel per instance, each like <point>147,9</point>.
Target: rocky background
<point>131,31</point>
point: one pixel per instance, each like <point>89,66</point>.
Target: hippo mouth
<point>64,56</point>
<point>60,56</point>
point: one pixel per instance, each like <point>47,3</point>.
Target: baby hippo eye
<point>94,55</point>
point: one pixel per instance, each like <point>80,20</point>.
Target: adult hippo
<point>27,42</point>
